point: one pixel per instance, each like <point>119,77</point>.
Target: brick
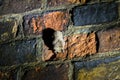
<point>8,30</point>
<point>52,3</point>
<point>109,39</point>
<point>57,20</point>
<point>94,13</point>
<point>47,51</point>
<point>77,45</point>
<point>48,54</point>
<point>94,70</point>
<point>15,6</point>
<point>52,72</point>
<point>18,52</point>
<point>80,45</point>
<point>33,24</point>
<point>7,75</point>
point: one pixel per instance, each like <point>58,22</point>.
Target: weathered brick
<point>18,52</point>
<point>94,13</point>
<point>57,20</point>
<point>8,30</point>
<point>15,6</point>
<point>109,40</point>
<point>63,2</point>
<point>77,45</point>
<point>7,75</point>
<point>47,51</point>
<point>48,54</point>
<point>34,24</point>
<point>94,70</point>
<point>52,72</point>
<point>81,44</point>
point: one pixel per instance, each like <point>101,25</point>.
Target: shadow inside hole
<point>48,37</point>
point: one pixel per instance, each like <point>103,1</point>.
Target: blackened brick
<point>94,70</point>
<point>50,72</point>
<point>62,2</point>
<point>8,30</point>
<point>18,52</point>
<point>18,6</point>
<point>93,14</point>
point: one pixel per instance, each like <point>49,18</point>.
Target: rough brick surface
<point>7,75</point>
<point>77,45</point>
<point>57,20</point>
<point>109,40</point>
<point>63,2</point>
<point>81,44</point>
<point>8,30</point>
<point>48,54</point>
<point>93,14</point>
<point>15,6</point>
<point>52,72</point>
<point>94,70</point>
<point>18,52</point>
<point>33,24</point>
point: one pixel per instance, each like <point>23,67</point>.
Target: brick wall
<point>91,32</point>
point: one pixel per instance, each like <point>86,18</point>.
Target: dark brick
<point>18,52</point>
<point>57,20</point>
<point>63,2</point>
<point>94,14</point>
<point>94,70</point>
<point>8,30</point>
<point>51,72</point>
<point>18,6</point>
<point>7,75</point>
<point>109,39</point>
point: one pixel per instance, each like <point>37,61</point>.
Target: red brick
<point>77,45</point>
<point>34,24</point>
<point>50,55</point>
<point>64,2</point>
<point>50,72</point>
<point>109,40</point>
<point>81,44</point>
<point>57,20</point>
<point>47,54</point>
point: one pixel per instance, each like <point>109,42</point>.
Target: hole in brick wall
<point>97,44</point>
<point>48,37</point>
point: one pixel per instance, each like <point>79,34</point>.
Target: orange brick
<point>77,45</point>
<point>109,40</point>
<point>56,20</point>
<point>36,24</point>
<point>81,44</point>
<point>48,54</point>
